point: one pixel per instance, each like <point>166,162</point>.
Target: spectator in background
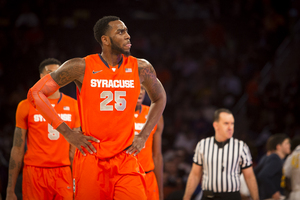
<point>244,189</point>
<point>270,150</point>
<point>270,174</point>
<point>291,170</point>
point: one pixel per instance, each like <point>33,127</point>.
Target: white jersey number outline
<point>53,134</point>
<point>108,96</point>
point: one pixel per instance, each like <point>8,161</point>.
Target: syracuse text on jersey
<point>40,118</point>
<point>109,83</point>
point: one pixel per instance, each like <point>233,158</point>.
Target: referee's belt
<point>211,194</point>
<point>208,194</point>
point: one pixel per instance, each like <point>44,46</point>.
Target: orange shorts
<point>152,191</point>
<point>120,177</point>
<point>47,183</point>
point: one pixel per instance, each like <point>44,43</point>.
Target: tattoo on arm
<point>9,184</point>
<point>18,140</point>
<point>146,70</point>
<point>12,164</point>
<point>71,70</point>
<point>148,78</point>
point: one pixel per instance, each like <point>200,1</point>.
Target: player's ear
<point>105,40</point>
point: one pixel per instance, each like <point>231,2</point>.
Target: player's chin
<point>126,53</point>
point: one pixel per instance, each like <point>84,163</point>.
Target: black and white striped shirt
<point>222,163</point>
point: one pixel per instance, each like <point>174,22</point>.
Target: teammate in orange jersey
<point>150,157</point>
<point>46,172</point>
<point>108,88</point>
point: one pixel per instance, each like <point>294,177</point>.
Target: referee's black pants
<point>221,196</point>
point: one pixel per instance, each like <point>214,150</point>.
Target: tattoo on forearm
<point>18,140</point>
<point>9,184</point>
<point>12,164</point>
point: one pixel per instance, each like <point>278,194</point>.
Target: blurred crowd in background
<point>207,54</point>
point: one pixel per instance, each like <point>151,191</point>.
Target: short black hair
<point>277,139</point>
<point>48,61</point>
<point>269,144</point>
<point>218,112</point>
<point>101,27</point>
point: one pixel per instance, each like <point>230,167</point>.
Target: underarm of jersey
<point>37,96</point>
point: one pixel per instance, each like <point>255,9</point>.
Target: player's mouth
<point>128,45</point>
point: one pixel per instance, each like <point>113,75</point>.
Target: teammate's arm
<point>72,149</point>
<point>71,70</point>
<point>193,181</point>
<point>157,156</point>
<point>157,95</point>
<point>15,161</point>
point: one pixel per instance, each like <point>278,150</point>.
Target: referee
<point>219,161</point>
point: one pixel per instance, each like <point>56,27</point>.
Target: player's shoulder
<point>24,102</point>
<point>24,105</point>
<point>142,62</point>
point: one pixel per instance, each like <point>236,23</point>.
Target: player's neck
<point>111,58</point>
<point>138,107</point>
<point>55,95</point>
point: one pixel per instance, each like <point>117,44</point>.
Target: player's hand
<point>137,145</point>
<point>77,139</point>
<point>81,142</point>
<point>11,196</point>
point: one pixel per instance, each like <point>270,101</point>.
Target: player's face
<point>286,146</point>
<point>48,69</point>
<point>141,96</point>
<point>225,126</point>
<point>119,38</point>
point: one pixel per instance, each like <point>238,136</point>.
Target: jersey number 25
<point>108,96</point>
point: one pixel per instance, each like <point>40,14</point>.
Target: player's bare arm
<point>72,150</point>
<point>71,70</point>
<point>157,156</point>
<point>157,95</point>
<point>15,162</point>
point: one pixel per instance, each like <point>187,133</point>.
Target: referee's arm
<point>193,181</point>
<point>251,182</point>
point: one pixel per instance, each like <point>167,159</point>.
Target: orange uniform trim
<point>37,96</point>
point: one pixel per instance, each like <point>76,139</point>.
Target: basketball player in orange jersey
<point>105,166</point>
<point>150,157</point>
<point>46,172</point>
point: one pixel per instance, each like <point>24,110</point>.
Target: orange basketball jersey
<point>107,103</point>
<point>145,156</point>
<point>45,146</point>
